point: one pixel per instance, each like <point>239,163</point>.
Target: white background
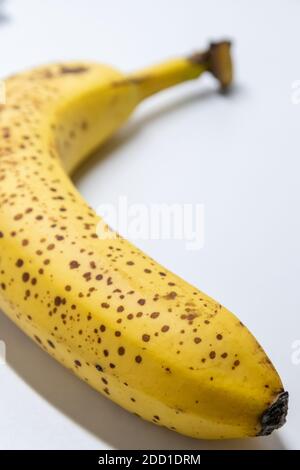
<point>239,155</point>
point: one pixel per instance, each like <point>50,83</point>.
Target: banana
<point>131,329</point>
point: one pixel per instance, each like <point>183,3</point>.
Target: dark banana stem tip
<point>275,416</point>
<point>219,62</point>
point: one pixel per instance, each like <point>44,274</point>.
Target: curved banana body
<point>126,325</point>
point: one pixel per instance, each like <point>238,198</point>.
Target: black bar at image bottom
<point>135,458</point>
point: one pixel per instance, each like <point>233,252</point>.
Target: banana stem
<point>216,60</point>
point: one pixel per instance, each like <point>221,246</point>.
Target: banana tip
<point>275,416</point>
<point>218,60</point>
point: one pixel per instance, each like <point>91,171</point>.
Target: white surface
<point>238,155</point>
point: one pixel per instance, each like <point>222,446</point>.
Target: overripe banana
<point>126,325</point>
